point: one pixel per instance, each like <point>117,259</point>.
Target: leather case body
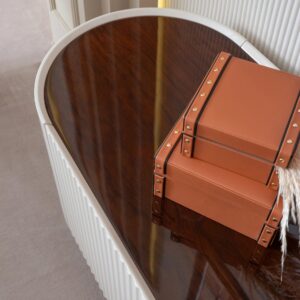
<point>235,201</point>
<point>244,118</point>
<point>219,159</point>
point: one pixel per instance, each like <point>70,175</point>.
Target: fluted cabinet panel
<point>109,261</point>
<point>272,26</point>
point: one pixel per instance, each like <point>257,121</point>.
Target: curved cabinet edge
<point>257,55</point>
<point>118,15</point>
<point>113,268</point>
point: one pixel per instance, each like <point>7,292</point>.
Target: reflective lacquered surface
<point>113,94</point>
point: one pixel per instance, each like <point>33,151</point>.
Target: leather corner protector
<point>166,148</point>
<point>159,165</point>
<point>274,181</point>
<point>187,145</point>
<point>275,215</point>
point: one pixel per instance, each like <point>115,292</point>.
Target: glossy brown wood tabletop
<point>113,94</point>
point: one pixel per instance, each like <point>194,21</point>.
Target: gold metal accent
<point>273,183</point>
<point>216,70</point>
<point>169,145</point>
<point>299,110</point>
<point>188,127</point>
<point>295,125</point>
<point>222,58</point>
<point>161,4</point>
<point>274,219</point>
<point>158,180</point>
<point>268,231</point>
<point>202,94</point>
<point>209,82</point>
<point>158,191</point>
<point>281,160</point>
<point>158,166</point>
<point>187,140</point>
<point>195,109</point>
<point>289,141</point>
<point>186,151</point>
<point>176,131</point>
<point>264,241</point>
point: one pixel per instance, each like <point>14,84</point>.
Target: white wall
<point>67,14</point>
<point>272,26</point>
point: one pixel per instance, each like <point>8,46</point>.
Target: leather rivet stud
<point>169,145</point>
<point>188,127</point>
<point>268,231</point>
<point>289,141</point>
<point>158,166</point>
<point>273,183</point>
<point>264,241</point>
<point>281,160</point>
<point>216,70</point>
<point>195,108</point>
<point>202,94</point>
<point>295,125</point>
<point>274,219</point>
<point>299,110</point>
<point>175,131</point>
<point>186,151</point>
<point>187,141</point>
<point>209,82</point>
<point>222,58</point>
<point>158,191</point>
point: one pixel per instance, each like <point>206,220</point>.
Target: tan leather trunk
<point>244,118</point>
<point>219,160</point>
<point>235,201</point>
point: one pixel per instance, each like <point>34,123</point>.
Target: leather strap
<point>167,148</point>
<point>275,215</point>
<point>272,223</point>
<point>274,181</point>
<point>200,100</point>
<point>187,145</point>
<point>290,140</point>
<point>162,156</point>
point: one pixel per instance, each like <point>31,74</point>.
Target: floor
<point>38,256</point>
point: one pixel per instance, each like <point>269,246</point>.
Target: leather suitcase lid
<point>250,108</point>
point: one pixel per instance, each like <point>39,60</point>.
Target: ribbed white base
<point>112,267</point>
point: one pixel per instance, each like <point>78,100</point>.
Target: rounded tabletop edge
<point>123,14</point>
